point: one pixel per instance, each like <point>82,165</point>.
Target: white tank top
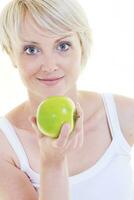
<point>111,178</point>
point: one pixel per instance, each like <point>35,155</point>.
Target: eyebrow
<point>55,41</point>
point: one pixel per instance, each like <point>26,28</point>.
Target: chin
<point>43,91</point>
<point>60,91</point>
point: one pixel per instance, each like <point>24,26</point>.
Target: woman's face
<point>41,59</point>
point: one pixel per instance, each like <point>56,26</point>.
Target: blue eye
<point>31,50</point>
<point>64,46</point>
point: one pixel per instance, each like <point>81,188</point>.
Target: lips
<point>49,79</point>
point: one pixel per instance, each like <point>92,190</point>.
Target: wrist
<point>57,168</point>
<point>56,163</point>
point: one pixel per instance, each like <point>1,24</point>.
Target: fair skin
<point>92,134</point>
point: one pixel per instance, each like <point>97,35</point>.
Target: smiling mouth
<point>50,79</point>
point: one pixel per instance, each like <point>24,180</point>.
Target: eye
<point>31,50</point>
<point>64,46</point>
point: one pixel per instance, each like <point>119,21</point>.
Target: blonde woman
<point>49,43</point>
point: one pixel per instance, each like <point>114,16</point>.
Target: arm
<point>14,184</point>
<point>54,181</point>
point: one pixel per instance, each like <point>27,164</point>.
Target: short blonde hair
<point>58,16</point>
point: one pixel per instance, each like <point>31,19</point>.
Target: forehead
<point>31,30</point>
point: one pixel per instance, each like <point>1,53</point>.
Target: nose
<point>45,68</point>
<point>48,64</point>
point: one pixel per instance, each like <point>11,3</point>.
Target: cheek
<point>76,64</point>
<point>73,63</point>
<point>27,66</point>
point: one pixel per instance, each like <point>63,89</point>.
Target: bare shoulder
<point>14,184</point>
<point>125,110</point>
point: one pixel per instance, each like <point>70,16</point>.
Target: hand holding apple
<point>54,149</point>
<point>53,112</point>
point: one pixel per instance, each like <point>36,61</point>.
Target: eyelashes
<point>63,44</point>
<point>33,50</point>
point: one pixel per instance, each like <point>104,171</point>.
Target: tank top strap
<point>113,121</point>
<point>13,140</point>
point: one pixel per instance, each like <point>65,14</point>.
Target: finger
<point>80,138</point>
<point>63,137</point>
<point>79,122</point>
<point>76,138</point>
<point>79,110</point>
<point>73,141</point>
<point>79,126</point>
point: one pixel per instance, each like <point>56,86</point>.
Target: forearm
<point>54,184</point>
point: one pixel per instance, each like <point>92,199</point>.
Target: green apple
<point>53,112</point>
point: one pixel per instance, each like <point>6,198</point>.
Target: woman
<point>49,44</point>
